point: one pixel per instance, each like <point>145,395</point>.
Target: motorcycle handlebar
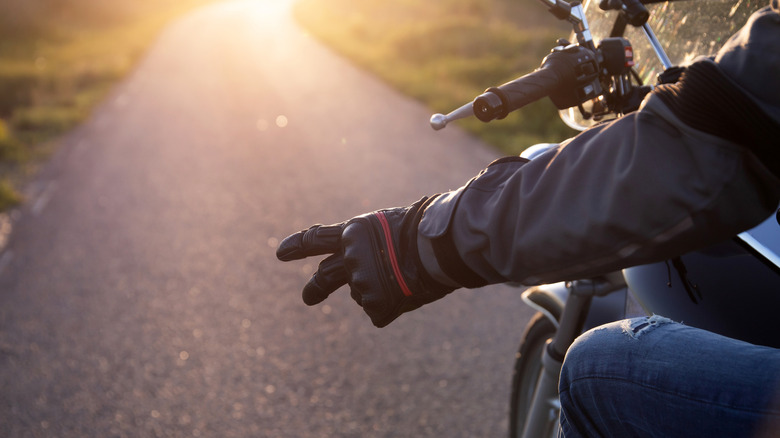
<point>497,102</point>
<point>569,75</point>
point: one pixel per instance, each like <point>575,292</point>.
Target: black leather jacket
<point>695,165</point>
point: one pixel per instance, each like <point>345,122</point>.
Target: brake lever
<point>439,121</point>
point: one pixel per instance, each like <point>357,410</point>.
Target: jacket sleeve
<point>649,186</point>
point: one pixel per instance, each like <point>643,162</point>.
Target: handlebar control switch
<point>579,70</point>
<point>569,76</point>
<point>618,55</point>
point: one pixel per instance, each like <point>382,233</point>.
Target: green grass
<point>57,61</point>
<point>9,197</point>
<point>444,53</point>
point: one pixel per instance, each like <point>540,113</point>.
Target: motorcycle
<point>604,75</point>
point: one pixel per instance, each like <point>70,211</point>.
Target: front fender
<point>549,299</point>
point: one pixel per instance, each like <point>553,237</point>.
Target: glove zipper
<point>391,254</point>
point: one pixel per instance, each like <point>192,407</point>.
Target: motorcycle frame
<point>572,307</point>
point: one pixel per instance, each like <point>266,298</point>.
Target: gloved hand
<point>376,254</point>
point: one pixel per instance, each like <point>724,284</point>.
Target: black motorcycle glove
<point>376,254</point>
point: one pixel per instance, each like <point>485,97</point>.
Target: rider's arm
<point>697,164</point>
<point>676,175</point>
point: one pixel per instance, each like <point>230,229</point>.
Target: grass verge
<point>444,53</point>
<point>57,61</point>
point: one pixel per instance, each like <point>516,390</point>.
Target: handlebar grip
<point>497,102</point>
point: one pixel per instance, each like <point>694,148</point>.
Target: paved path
<point>139,292</point>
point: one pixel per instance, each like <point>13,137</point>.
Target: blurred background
<point>154,153</point>
<point>58,58</point>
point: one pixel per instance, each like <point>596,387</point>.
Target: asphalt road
<point>139,291</point>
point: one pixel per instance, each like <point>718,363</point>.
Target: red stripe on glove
<point>391,250</point>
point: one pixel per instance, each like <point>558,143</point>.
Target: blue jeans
<point>651,377</point>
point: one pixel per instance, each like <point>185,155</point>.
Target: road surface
<point>139,291</point>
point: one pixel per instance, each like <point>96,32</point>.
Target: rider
<point>698,163</point>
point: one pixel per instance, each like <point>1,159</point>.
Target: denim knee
<point>586,354</point>
<point>652,377</point>
<point>603,354</point>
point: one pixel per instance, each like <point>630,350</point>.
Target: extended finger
<point>330,276</point>
<point>317,240</point>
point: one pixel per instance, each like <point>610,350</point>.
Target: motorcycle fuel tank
<point>732,288</point>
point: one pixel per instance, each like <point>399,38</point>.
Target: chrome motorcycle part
<point>657,47</point>
<point>538,149</point>
<point>439,121</point>
<point>764,239</point>
<point>548,300</point>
